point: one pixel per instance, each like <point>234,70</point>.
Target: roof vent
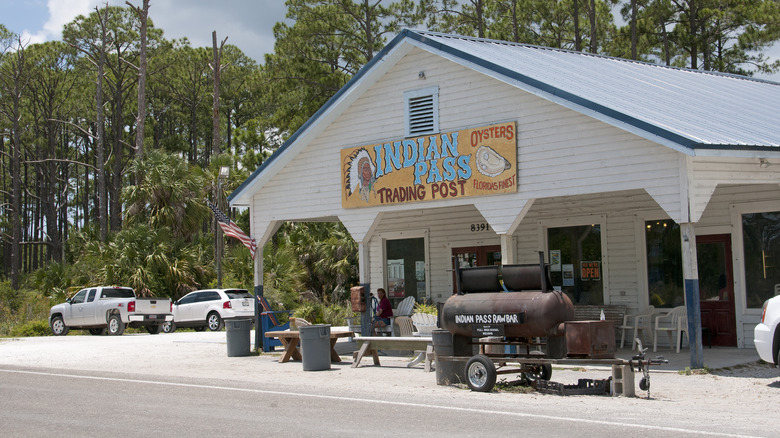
<point>422,111</point>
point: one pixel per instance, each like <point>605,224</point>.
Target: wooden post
<point>508,250</point>
<point>364,265</point>
<point>692,304</point>
<point>258,294</point>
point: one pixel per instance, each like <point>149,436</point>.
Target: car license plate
<point>152,316</point>
<point>245,303</point>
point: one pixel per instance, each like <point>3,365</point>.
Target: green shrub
<point>31,328</point>
<point>311,312</point>
<point>280,300</point>
<point>18,307</point>
<point>337,314</point>
<point>425,308</point>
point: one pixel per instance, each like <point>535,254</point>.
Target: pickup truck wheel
<point>115,325</point>
<point>169,327</point>
<point>97,331</point>
<point>154,329</point>
<point>215,322</point>
<point>58,326</point>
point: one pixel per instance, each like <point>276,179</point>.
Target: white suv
<point>209,308</point>
<point>766,335</point>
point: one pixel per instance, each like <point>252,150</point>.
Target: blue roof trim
<point>736,147</point>
<point>362,72</point>
<point>549,89</point>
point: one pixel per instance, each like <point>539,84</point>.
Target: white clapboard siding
<point>560,151</point>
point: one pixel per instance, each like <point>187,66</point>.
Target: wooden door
<point>471,256</point>
<point>716,290</point>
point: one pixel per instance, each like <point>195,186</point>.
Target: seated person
<point>383,312</point>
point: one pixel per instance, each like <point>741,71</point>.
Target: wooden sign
<point>470,162</point>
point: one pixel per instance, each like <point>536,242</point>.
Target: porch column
<point>508,250</point>
<point>691,278</point>
<point>364,270</point>
<point>258,293</point>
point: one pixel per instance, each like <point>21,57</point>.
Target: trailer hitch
<point>643,363</point>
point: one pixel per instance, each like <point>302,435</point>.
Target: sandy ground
<point>744,396</point>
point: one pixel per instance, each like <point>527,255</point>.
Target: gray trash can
<point>315,346</point>
<point>449,371</point>
<point>237,332</point>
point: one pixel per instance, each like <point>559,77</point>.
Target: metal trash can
<point>315,347</point>
<point>237,332</point>
<point>448,371</point>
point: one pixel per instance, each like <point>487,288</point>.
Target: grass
<point>696,371</point>
<point>515,386</point>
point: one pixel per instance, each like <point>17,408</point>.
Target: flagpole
<point>224,172</point>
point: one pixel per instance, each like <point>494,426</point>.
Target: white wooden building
<point>616,169</point>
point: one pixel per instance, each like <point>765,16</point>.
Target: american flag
<point>231,229</point>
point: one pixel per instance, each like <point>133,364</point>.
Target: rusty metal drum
<point>517,314</point>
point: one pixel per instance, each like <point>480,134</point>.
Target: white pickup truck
<point>109,309</point>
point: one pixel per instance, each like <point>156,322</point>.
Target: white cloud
<point>62,12</point>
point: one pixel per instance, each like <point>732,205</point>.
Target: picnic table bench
<point>291,340</point>
<point>371,344</point>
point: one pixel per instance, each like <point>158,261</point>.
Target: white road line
<point>393,403</point>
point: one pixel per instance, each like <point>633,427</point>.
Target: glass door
<point>405,269</point>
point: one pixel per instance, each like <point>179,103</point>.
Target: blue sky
<point>248,24</point>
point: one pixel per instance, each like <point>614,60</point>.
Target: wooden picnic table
<point>370,344</point>
<point>291,340</point>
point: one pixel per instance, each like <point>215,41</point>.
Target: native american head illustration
<point>360,171</point>
<point>491,163</point>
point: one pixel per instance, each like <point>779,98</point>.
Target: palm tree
<point>169,194</point>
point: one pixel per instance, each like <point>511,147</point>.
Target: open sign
<point>590,270</point>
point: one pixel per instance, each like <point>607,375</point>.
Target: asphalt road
<point>68,404</point>
<point>183,384</point>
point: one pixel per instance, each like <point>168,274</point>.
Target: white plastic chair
<point>405,307</point>
<point>676,320</point>
<point>642,321</point>
<point>424,323</point>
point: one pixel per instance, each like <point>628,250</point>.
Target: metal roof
<point>693,108</point>
<point>690,110</point>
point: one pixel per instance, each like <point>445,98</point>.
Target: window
<point>238,294</point>
<point>477,256</point>
<point>209,296</point>
<point>79,297</point>
<point>421,112</point>
<point>405,269</point>
<point>189,299</point>
<point>117,292</point>
<point>761,240</point>
<point>575,262</point>
<point>664,263</point>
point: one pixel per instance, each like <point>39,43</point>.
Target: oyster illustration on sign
<point>360,171</point>
<point>491,163</point>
